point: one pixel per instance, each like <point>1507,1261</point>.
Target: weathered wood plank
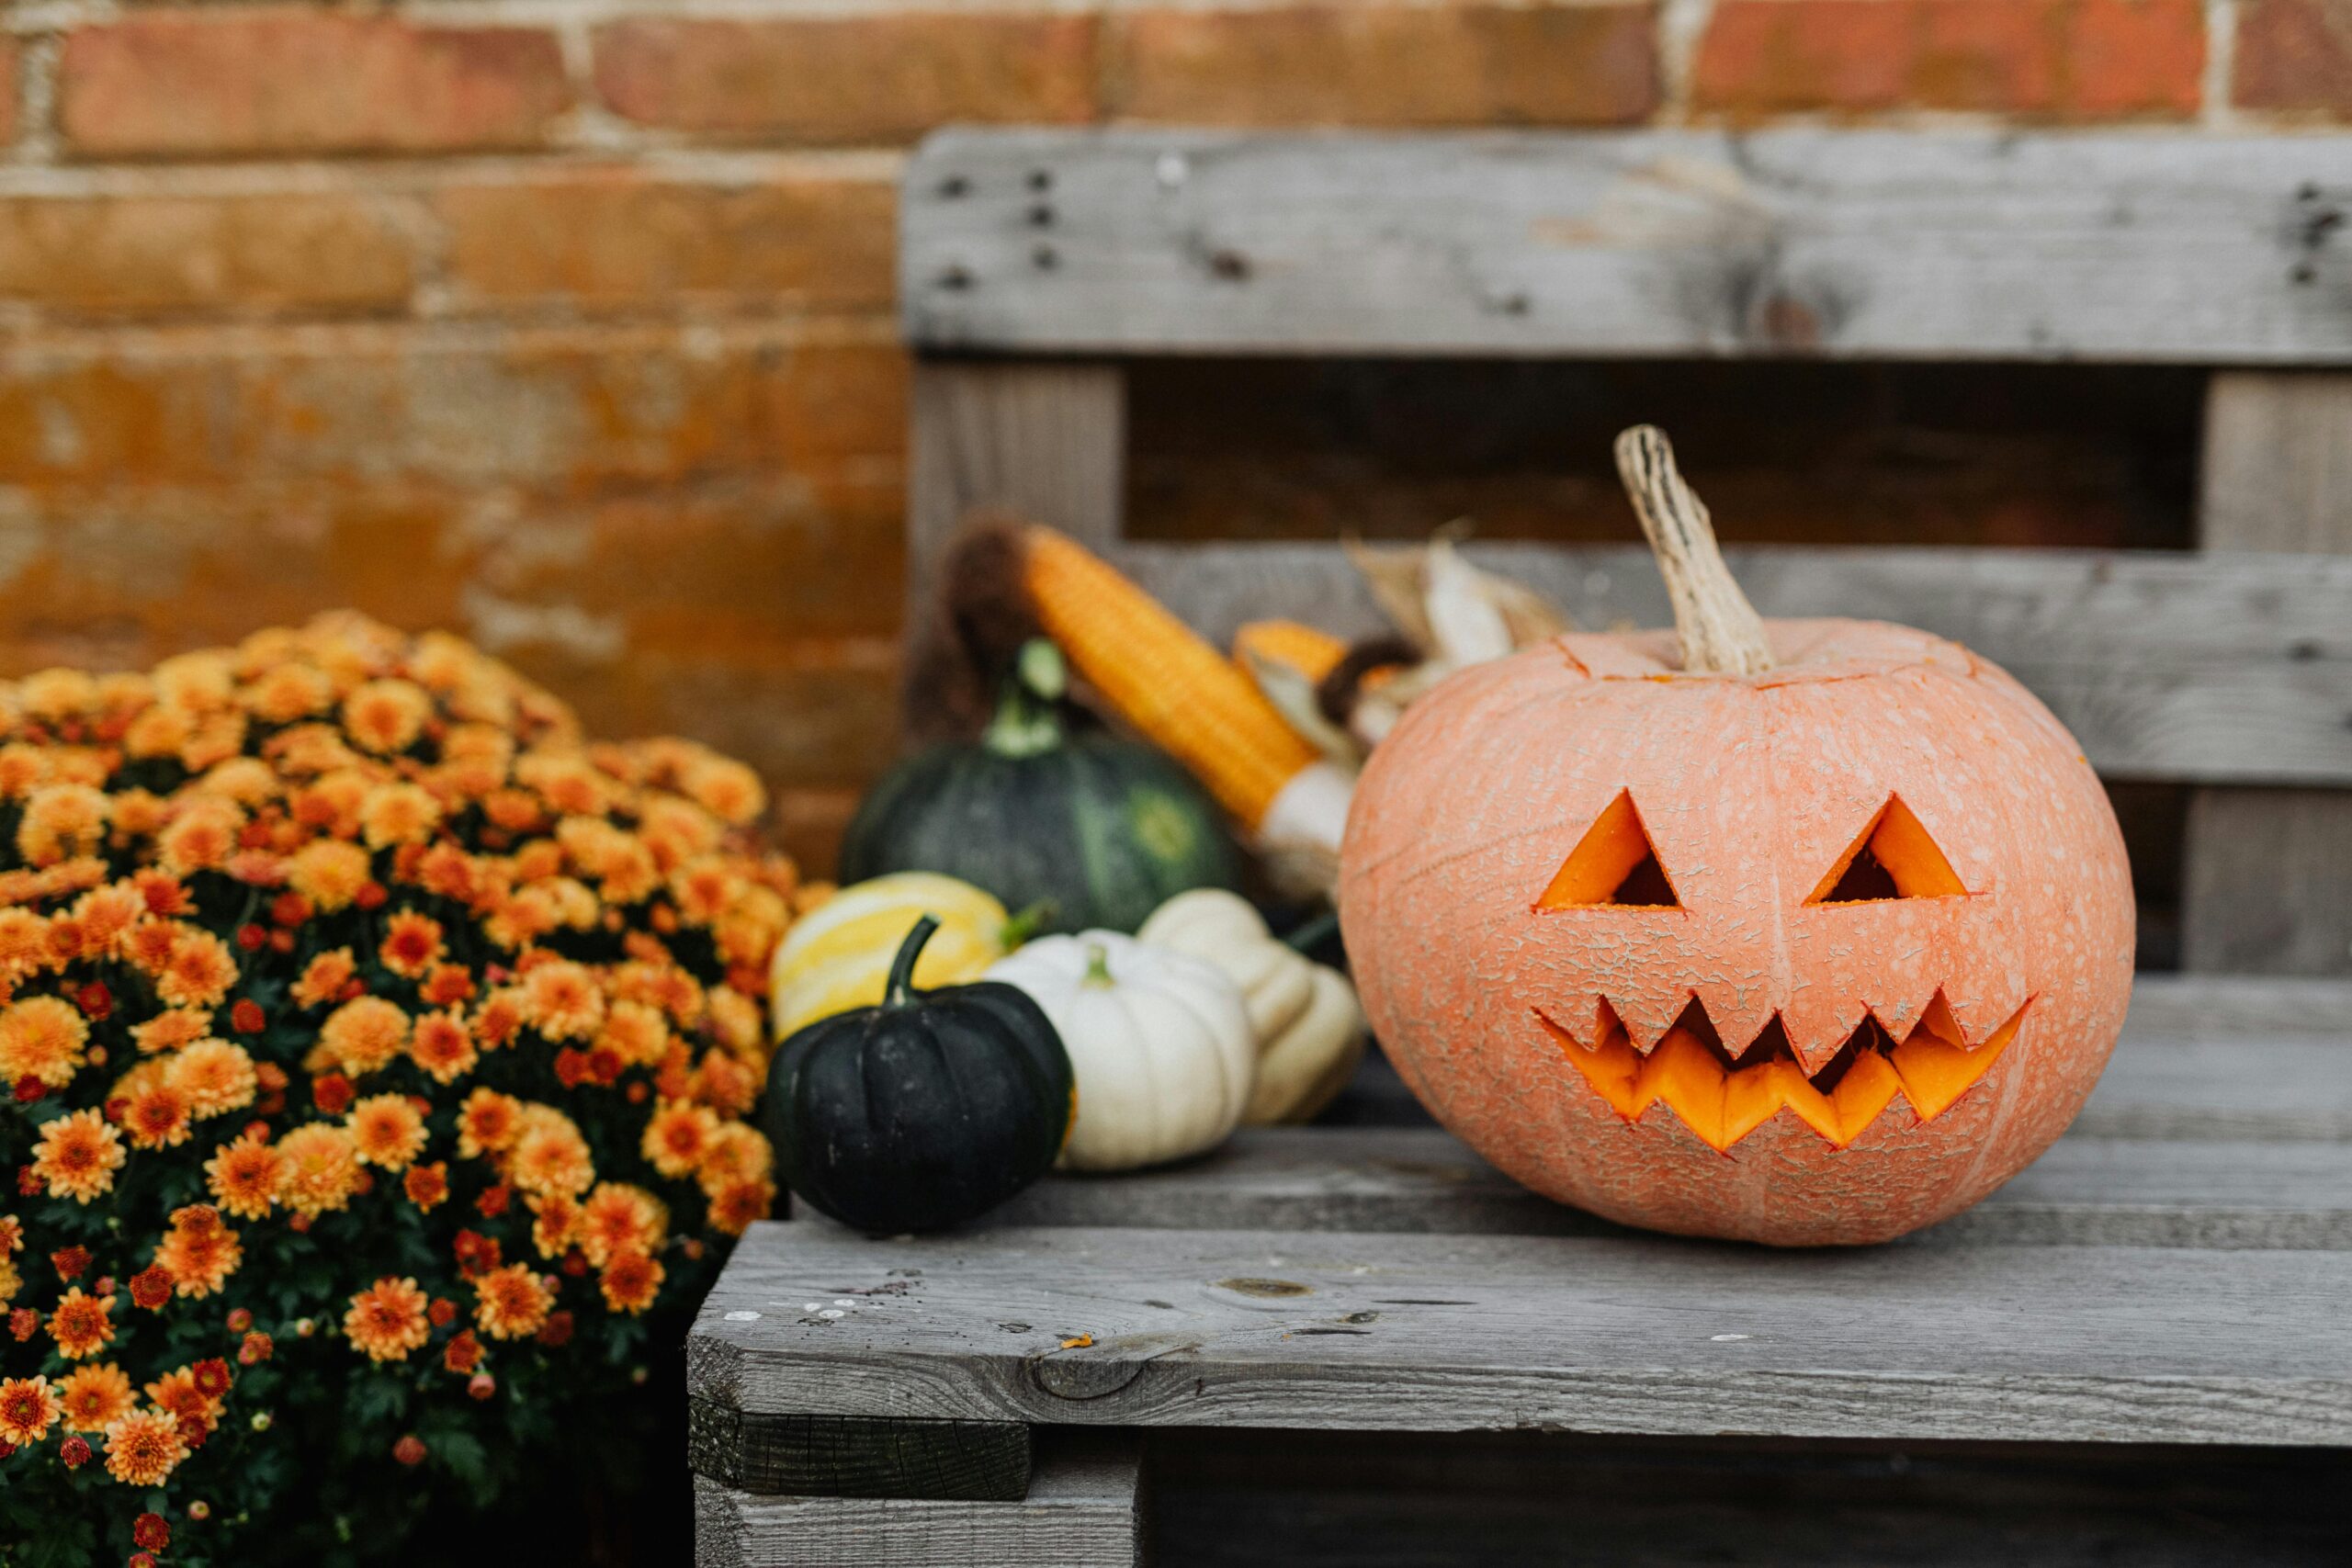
<point>835,1456</point>
<point>2132,247</point>
<point>2085,1191</point>
<point>1084,1509</point>
<point>2206,668</point>
<point>1046,441</point>
<point>2267,873</point>
<point>1421,1333</point>
<point>2225,1005</point>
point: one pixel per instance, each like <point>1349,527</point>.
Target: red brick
<point>620,239</point>
<point>577,412</point>
<point>11,60</point>
<point>147,255</point>
<point>2051,60</point>
<point>1385,65</point>
<point>840,79</point>
<point>285,79</point>
<point>2296,56</point>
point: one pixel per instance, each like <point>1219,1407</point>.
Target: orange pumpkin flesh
<point>1815,954</point>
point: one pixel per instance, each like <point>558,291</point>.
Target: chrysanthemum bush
<point>376,1055</point>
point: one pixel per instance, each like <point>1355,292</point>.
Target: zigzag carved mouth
<point>1723,1099</point>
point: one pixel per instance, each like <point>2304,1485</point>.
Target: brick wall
<point>566,322</point>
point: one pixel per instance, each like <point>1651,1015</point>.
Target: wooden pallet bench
<point>1357,1344</point>
<point>2165,1276</point>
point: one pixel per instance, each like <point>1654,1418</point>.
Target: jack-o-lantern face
<point>1821,954</point>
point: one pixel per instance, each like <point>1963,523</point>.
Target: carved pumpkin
<point>1798,931</point>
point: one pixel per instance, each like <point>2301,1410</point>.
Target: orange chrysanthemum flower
<point>555,1221</point>
<point>143,1447</point>
<point>630,1281</point>
<point>363,1034</point>
<point>447,986</point>
<point>61,820</point>
<point>245,1176</point>
<point>678,1135</point>
<point>386,716</point>
<point>215,1075</point>
<point>329,873</point>
<point>387,1320</point>
<point>82,1325</point>
<point>736,1152</point>
<point>510,1302</point>
<point>411,944</point>
<point>550,1155</point>
<point>176,1394</point>
<point>636,1032</point>
<point>94,1397</point>
<point>618,1217</point>
<point>323,978</point>
<point>735,1207</point>
<point>398,814</point>
<point>157,1116</point>
<point>427,1185</point>
<point>488,1123</point>
<point>499,1018</point>
<point>386,1131</point>
<point>200,971</point>
<point>199,1251</point>
<point>563,1001</point>
<point>443,1047</point>
<point>77,1155</point>
<point>171,1030</point>
<point>321,1168</point>
<point>28,1408</point>
<point>42,1037</point>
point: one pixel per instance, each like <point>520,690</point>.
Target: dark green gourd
<point>925,1111</point>
<point>1086,830</point>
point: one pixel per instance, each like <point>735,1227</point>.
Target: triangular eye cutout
<point>1893,859</point>
<point>1614,863</point>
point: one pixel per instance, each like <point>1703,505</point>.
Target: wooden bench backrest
<point>1032,262</point>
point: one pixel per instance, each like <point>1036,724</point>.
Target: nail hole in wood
<point>1041,179</point>
<point>956,278</point>
<point>1230,266</point>
<point>955,186</point>
<point>1045,257</point>
<point>1041,216</point>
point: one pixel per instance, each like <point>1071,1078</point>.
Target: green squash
<point>1089,831</point>
<point>925,1111</point>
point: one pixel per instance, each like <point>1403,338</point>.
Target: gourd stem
<point>1719,631</point>
<point>1098,965</point>
<point>1027,720</point>
<point>899,990</point>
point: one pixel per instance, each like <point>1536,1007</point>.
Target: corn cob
<point>1180,692</point>
<point>1292,644</point>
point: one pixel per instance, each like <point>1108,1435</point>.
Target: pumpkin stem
<point>1098,965</point>
<point>1719,631</point>
<point>899,989</point>
<point>1027,720</point>
<point>1025,923</point>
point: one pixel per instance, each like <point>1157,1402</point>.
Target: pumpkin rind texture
<point>1097,830</point>
<point>1159,1042</point>
<point>923,1111</point>
<point>1756,1050</point>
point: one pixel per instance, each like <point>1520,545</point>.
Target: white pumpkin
<point>1308,1025</point>
<point>1277,981</point>
<point>1160,1042</point>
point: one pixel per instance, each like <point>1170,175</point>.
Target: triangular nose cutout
<point>1895,858</point>
<point>1614,863</point>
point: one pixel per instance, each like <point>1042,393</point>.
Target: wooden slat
<point>2134,247</point>
<point>2087,1192</point>
<point>1047,442</point>
<point>2265,872</point>
<point>1291,1329</point>
<point>2226,1005</point>
<point>2204,667</point>
<point>1084,1510</point>
<point>835,1456</point>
